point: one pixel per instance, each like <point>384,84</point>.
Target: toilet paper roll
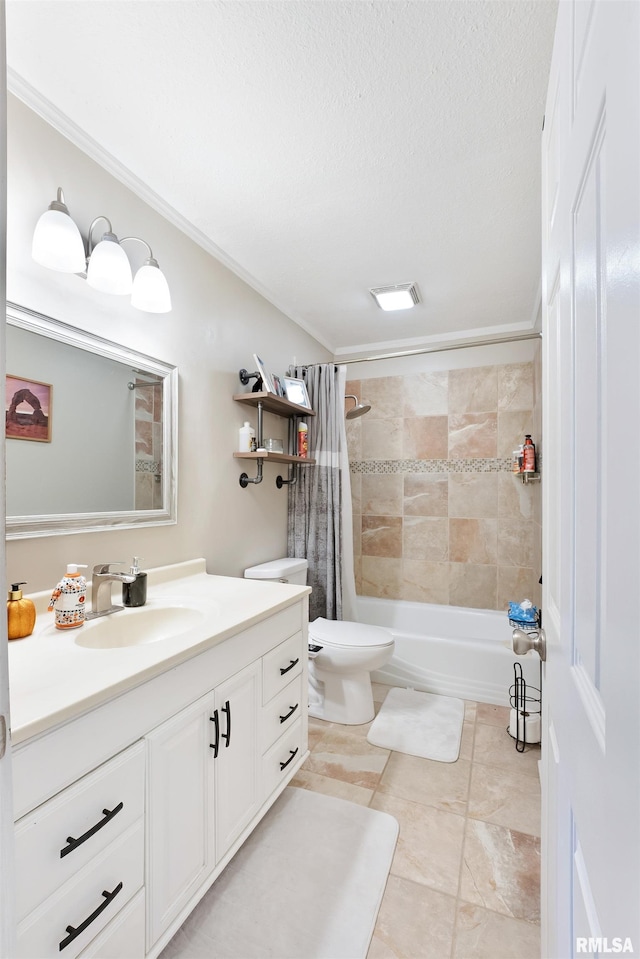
<point>530,727</point>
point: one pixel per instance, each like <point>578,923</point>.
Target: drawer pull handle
<point>290,666</point>
<point>227,736</point>
<point>215,745</point>
<point>74,843</point>
<point>286,763</point>
<point>75,931</point>
<point>292,710</point>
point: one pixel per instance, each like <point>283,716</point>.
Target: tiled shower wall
<point>438,515</point>
<point>148,439</point>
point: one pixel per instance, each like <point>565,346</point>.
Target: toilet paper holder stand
<point>525,725</point>
<point>525,719</point>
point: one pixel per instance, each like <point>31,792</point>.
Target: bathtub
<point>448,650</point>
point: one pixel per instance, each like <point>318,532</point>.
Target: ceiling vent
<point>400,297</point>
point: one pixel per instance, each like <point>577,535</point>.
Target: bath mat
<point>308,883</point>
<point>420,724</point>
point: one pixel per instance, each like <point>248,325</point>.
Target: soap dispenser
<point>135,593</point>
<point>21,613</point>
<point>69,597</point>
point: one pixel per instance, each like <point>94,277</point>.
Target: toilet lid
<point>331,632</point>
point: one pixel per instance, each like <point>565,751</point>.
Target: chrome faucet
<point>101,581</point>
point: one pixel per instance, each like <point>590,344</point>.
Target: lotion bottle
<point>135,594</point>
<point>21,613</point>
<point>246,434</point>
<point>69,597</point>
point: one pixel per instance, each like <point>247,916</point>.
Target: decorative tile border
<point>495,465</point>
<point>148,466</point>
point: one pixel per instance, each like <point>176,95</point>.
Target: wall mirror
<point>91,431</point>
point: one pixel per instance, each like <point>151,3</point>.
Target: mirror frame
<point>58,524</point>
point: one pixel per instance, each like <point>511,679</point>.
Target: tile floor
<point>465,878</point>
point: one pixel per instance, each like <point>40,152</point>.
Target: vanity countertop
<point>53,678</point>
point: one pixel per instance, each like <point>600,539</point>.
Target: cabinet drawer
<point>282,712</point>
<point>124,937</point>
<point>81,902</point>
<point>280,761</point>
<point>93,812</point>
<point>281,665</point>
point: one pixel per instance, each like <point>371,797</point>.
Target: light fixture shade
<point>150,289</point>
<point>57,243</point>
<point>109,269</point>
<point>400,297</point>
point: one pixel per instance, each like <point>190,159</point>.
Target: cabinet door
<point>180,783</point>
<point>237,786</point>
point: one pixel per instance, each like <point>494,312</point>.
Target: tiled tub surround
<point>148,440</point>
<point>464,882</point>
<point>438,515</point>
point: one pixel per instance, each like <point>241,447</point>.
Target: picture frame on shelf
<point>296,391</point>
<point>277,384</point>
<point>267,383</point>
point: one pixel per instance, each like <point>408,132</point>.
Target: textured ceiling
<point>322,148</point>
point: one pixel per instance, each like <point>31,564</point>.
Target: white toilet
<point>339,672</point>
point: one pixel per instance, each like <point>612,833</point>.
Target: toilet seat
<point>341,633</point>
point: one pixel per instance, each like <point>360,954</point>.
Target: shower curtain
<point>319,509</point>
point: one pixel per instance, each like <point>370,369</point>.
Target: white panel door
<point>591,465</point>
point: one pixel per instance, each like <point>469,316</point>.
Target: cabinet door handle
<point>76,930</point>
<point>227,736</point>
<point>286,763</point>
<point>74,843</point>
<point>292,710</point>
<point>290,666</point>
<point>216,744</point>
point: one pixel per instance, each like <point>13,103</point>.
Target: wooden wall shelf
<point>276,458</point>
<point>273,404</point>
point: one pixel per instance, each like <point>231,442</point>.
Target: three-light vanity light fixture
<point>58,245</point>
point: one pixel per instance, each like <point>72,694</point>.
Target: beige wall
<point>438,515</point>
<point>217,323</point>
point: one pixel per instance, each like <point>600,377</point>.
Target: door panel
<point>238,794</point>
<point>591,308</point>
<point>180,850</point>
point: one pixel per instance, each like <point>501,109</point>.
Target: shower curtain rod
<point>432,349</point>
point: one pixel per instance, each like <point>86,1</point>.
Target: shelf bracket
<point>245,379</point>
<point>245,480</point>
<point>293,478</point>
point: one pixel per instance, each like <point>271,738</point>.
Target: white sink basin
<point>138,627</point>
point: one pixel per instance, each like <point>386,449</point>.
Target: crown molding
<point>505,333</point>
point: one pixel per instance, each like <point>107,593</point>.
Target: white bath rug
<point>420,724</point>
<point>308,883</point>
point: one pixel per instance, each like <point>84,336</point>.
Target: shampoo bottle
<point>303,440</point>
<point>135,594</point>
<point>528,455</point>
<point>68,598</point>
<point>21,613</point>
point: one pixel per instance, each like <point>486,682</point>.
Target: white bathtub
<point>448,650</point>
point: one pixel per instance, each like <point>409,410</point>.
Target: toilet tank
<point>285,570</point>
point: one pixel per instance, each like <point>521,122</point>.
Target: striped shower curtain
<point>319,516</point>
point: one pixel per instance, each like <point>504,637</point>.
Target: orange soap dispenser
<point>21,613</point>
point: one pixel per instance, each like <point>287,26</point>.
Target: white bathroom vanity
<point>146,747</point>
